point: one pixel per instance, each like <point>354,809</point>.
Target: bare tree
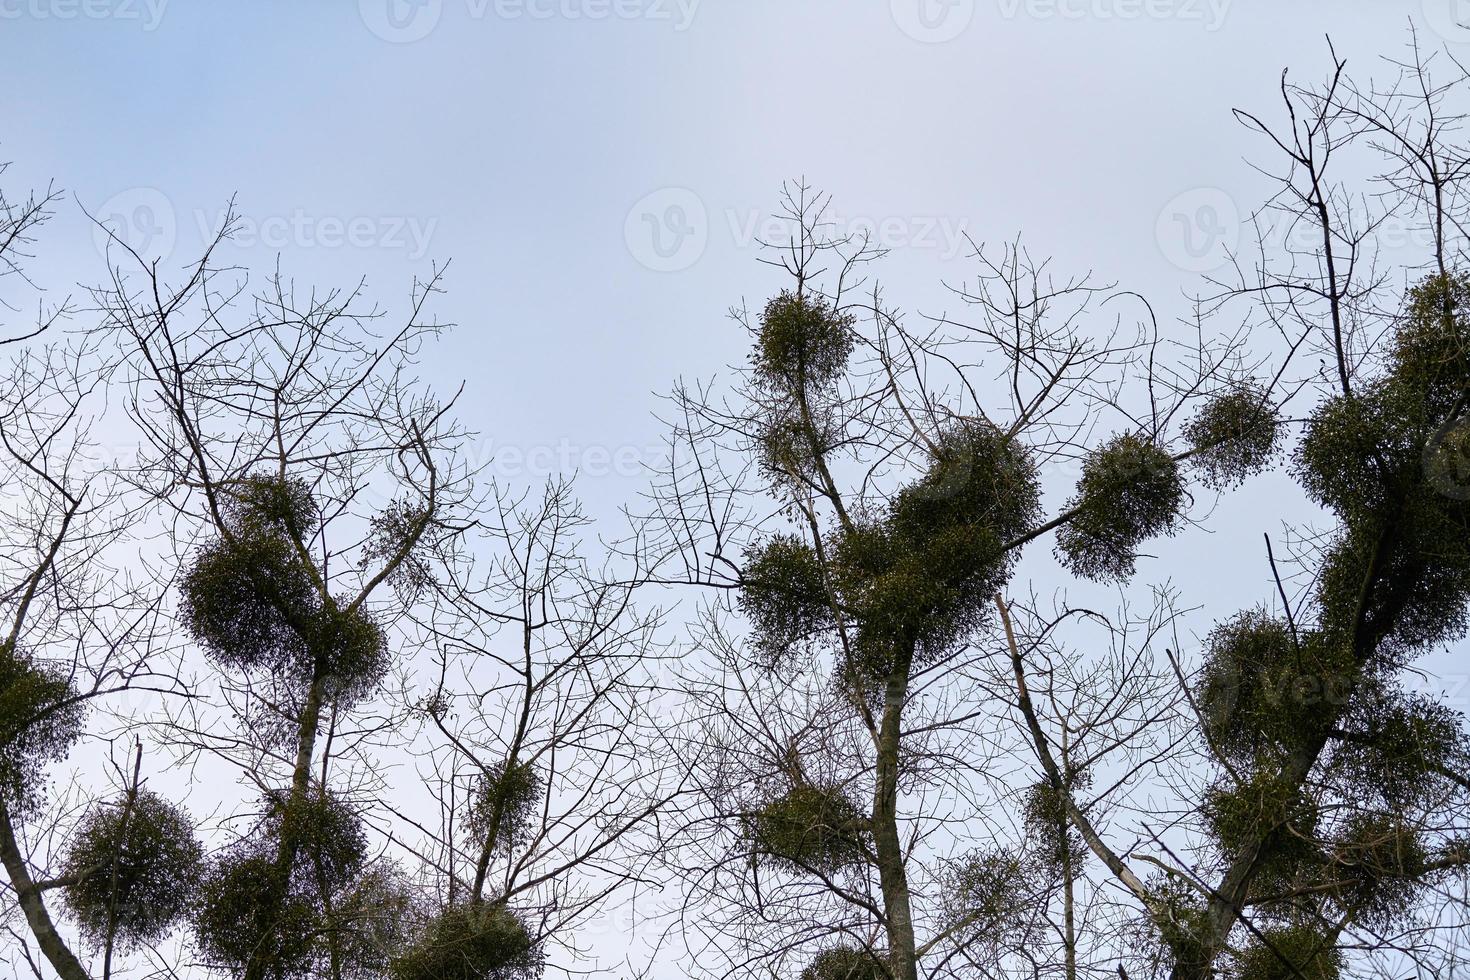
<point>541,711</point>
<point>1320,829</point>
<point>20,221</point>
<point>299,580</point>
<point>362,601</point>
<point>81,628</point>
<point>856,749</point>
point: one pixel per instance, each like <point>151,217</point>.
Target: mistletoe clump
<point>40,719</point>
<point>1397,748</point>
<point>471,942</point>
<point>924,577</point>
<point>1049,825</point>
<point>785,444</point>
<point>1269,809</point>
<point>1239,704</point>
<point>133,866</point>
<point>504,802</point>
<point>1264,687</point>
<point>352,653</point>
<point>1447,458</point>
<point>370,920</point>
<point>1355,450</point>
<point>802,343</point>
<point>1431,347</point>
<point>1130,491</point>
<point>275,898</point>
<point>267,500</point>
<point>1378,863</point>
<point>977,475</point>
<point>911,581</point>
<point>784,596</point>
<point>324,833</point>
<point>1294,952</point>
<point>885,589</point>
<point>845,963</point>
<point>1235,435</point>
<point>1377,459</point>
<point>1420,553</point>
<point>248,913</point>
<point>801,351</point>
<point>396,538</point>
<point>811,827</point>
<point>985,893</point>
<point>252,601</point>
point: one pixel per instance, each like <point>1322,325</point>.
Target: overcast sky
<point>598,170</point>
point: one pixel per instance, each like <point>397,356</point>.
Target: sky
<point>596,172</point>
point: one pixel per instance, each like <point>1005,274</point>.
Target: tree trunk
<point>311,714</point>
<point>892,875</point>
<point>61,958</point>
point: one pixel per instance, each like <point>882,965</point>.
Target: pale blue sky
<point>516,145</point>
<point>520,146</point>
